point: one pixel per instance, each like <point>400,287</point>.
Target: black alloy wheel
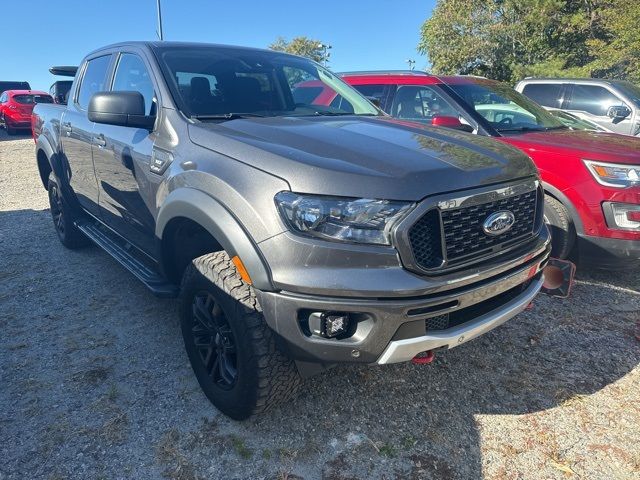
<point>214,340</point>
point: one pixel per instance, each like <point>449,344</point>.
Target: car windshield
<point>632,91</point>
<point>574,122</point>
<point>211,82</point>
<point>27,99</point>
<point>504,108</point>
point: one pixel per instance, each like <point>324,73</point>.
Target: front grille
<point>425,240</point>
<point>447,237</point>
<point>463,233</point>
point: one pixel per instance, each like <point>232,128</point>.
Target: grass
<point>240,448</point>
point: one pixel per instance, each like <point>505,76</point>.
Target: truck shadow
<point>110,346</point>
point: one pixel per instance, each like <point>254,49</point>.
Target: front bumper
<point>602,252</point>
<point>404,350</point>
<point>392,329</point>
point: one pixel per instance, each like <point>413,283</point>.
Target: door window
<point>373,91</point>
<point>420,103</point>
<point>94,79</point>
<point>593,99</point>
<point>548,95</point>
<point>132,76</point>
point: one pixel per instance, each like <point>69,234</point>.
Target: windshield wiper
<point>559,127</point>
<point>227,116</point>
<point>522,129</point>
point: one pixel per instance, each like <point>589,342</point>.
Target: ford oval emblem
<point>498,223</point>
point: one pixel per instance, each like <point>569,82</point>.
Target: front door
<point>122,156</point>
<point>592,102</point>
<point>75,132</point>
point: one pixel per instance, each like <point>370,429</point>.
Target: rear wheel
<point>563,232</point>
<point>10,130</point>
<point>232,351</point>
<point>63,218</point>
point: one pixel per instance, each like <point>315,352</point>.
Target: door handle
<point>66,128</point>
<point>100,141</point>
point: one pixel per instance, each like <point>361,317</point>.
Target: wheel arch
<point>209,226</point>
<point>564,200</point>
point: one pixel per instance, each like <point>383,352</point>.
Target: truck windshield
<point>212,82</point>
<point>504,108</point>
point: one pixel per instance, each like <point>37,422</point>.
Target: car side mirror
<point>619,112</point>
<point>450,122</point>
<point>125,109</point>
<point>375,101</point>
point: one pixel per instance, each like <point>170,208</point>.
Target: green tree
<point>510,39</point>
<point>303,46</point>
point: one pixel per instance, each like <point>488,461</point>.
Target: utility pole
<point>159,32</point>
<point>325,54</point>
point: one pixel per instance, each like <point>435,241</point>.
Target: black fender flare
<point>211,215</point>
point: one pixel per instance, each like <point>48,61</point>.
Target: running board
<point>129,257</point>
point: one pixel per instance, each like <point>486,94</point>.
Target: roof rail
<point>384,72</point>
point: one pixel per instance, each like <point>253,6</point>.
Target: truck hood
<point>364,156</point>
<point>607,147</point>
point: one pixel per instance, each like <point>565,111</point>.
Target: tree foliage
<point>303,46</point>
<point>511,39</point>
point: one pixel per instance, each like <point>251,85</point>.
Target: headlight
<point>341,219</point>
<point>614,174</point>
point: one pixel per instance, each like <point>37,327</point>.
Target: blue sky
<point>364,34</point>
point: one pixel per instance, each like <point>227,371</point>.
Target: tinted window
<point>132,76</point>
<point>94,79</point>
<point>593,99</point>
<point>631,90</point>
<point>31,99</point>
<point>544,94</point>
<point>420,103</point>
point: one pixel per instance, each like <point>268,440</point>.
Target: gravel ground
<point>95,383</point>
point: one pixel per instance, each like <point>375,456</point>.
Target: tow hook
<point>423,358</point>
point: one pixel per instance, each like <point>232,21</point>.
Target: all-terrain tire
<point>563,233</point>
<point>63,217</point>
<point>265,376</point>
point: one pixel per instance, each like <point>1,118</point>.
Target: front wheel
<point>563,233</point>
<point>232,351</point>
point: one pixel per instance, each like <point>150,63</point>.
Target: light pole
<point>412,63</point>
<point>325,53</point>
<point>159,32</point>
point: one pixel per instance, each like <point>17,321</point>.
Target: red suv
<point>592,180</point>
<point>16,107</point>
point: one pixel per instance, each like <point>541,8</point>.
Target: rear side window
<point>420,103</point>
<point>94,79</point>
<point>593,99</point>
<point>372,91</point>
<point>546,94</point>
<point>132,76</point>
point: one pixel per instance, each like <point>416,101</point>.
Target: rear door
<point>122,158</point>
<point>76,131</point>
<point>592,102</point>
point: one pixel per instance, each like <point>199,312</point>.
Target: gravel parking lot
<point>95,382</point>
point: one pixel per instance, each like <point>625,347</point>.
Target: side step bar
<point>128,256</point>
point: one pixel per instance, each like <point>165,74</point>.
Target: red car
<point>592,180</point>
<point>16,107</point>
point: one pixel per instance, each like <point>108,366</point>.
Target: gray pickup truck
<point>297,235</point>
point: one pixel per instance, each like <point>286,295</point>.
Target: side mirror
<point>619,112</point>
<point>450,122</point>
<point>125,109</point>
<point>375,101</point>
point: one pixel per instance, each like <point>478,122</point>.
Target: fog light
<point>623,215</point>
<point>328,324</point>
